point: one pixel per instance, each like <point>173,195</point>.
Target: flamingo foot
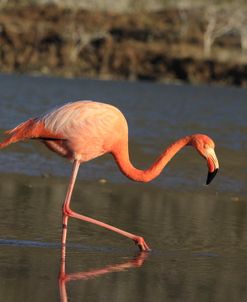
<point>140,242</point>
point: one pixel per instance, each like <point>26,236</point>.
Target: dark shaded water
<point>198,233</point>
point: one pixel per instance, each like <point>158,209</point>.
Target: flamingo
<point>83,130</point>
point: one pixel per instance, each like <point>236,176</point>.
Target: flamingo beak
<point>211,176</point>
<point>213,165</point>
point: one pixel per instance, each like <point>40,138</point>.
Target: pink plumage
<point>90,128</point>
<point>83,130</point>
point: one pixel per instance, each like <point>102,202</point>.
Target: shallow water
<point>197,233</point>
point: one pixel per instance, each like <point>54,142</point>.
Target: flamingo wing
<point>89,128</point>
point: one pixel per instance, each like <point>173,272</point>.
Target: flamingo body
<point>84,130</point>
<point>89,129</point>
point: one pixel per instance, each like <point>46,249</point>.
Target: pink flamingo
<point>84,130</point>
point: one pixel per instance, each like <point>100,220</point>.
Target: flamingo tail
<point>25,130</point>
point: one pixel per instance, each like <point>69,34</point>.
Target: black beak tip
<point>211,176</point>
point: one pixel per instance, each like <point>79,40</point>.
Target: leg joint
<point>67,211</point>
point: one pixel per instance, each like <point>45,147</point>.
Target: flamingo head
<point>205,146</point>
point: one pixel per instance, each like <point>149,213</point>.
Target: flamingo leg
<point>66,204</point>
<point>67,212</point>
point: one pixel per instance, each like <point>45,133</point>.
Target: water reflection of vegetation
<point>33,207</point>
<point>186,230</point>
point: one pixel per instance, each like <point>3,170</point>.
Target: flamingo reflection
<point>136,262</point>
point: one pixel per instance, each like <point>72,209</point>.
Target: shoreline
<point>49,40</point>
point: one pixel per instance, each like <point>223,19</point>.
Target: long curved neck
<point>121,155</point>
